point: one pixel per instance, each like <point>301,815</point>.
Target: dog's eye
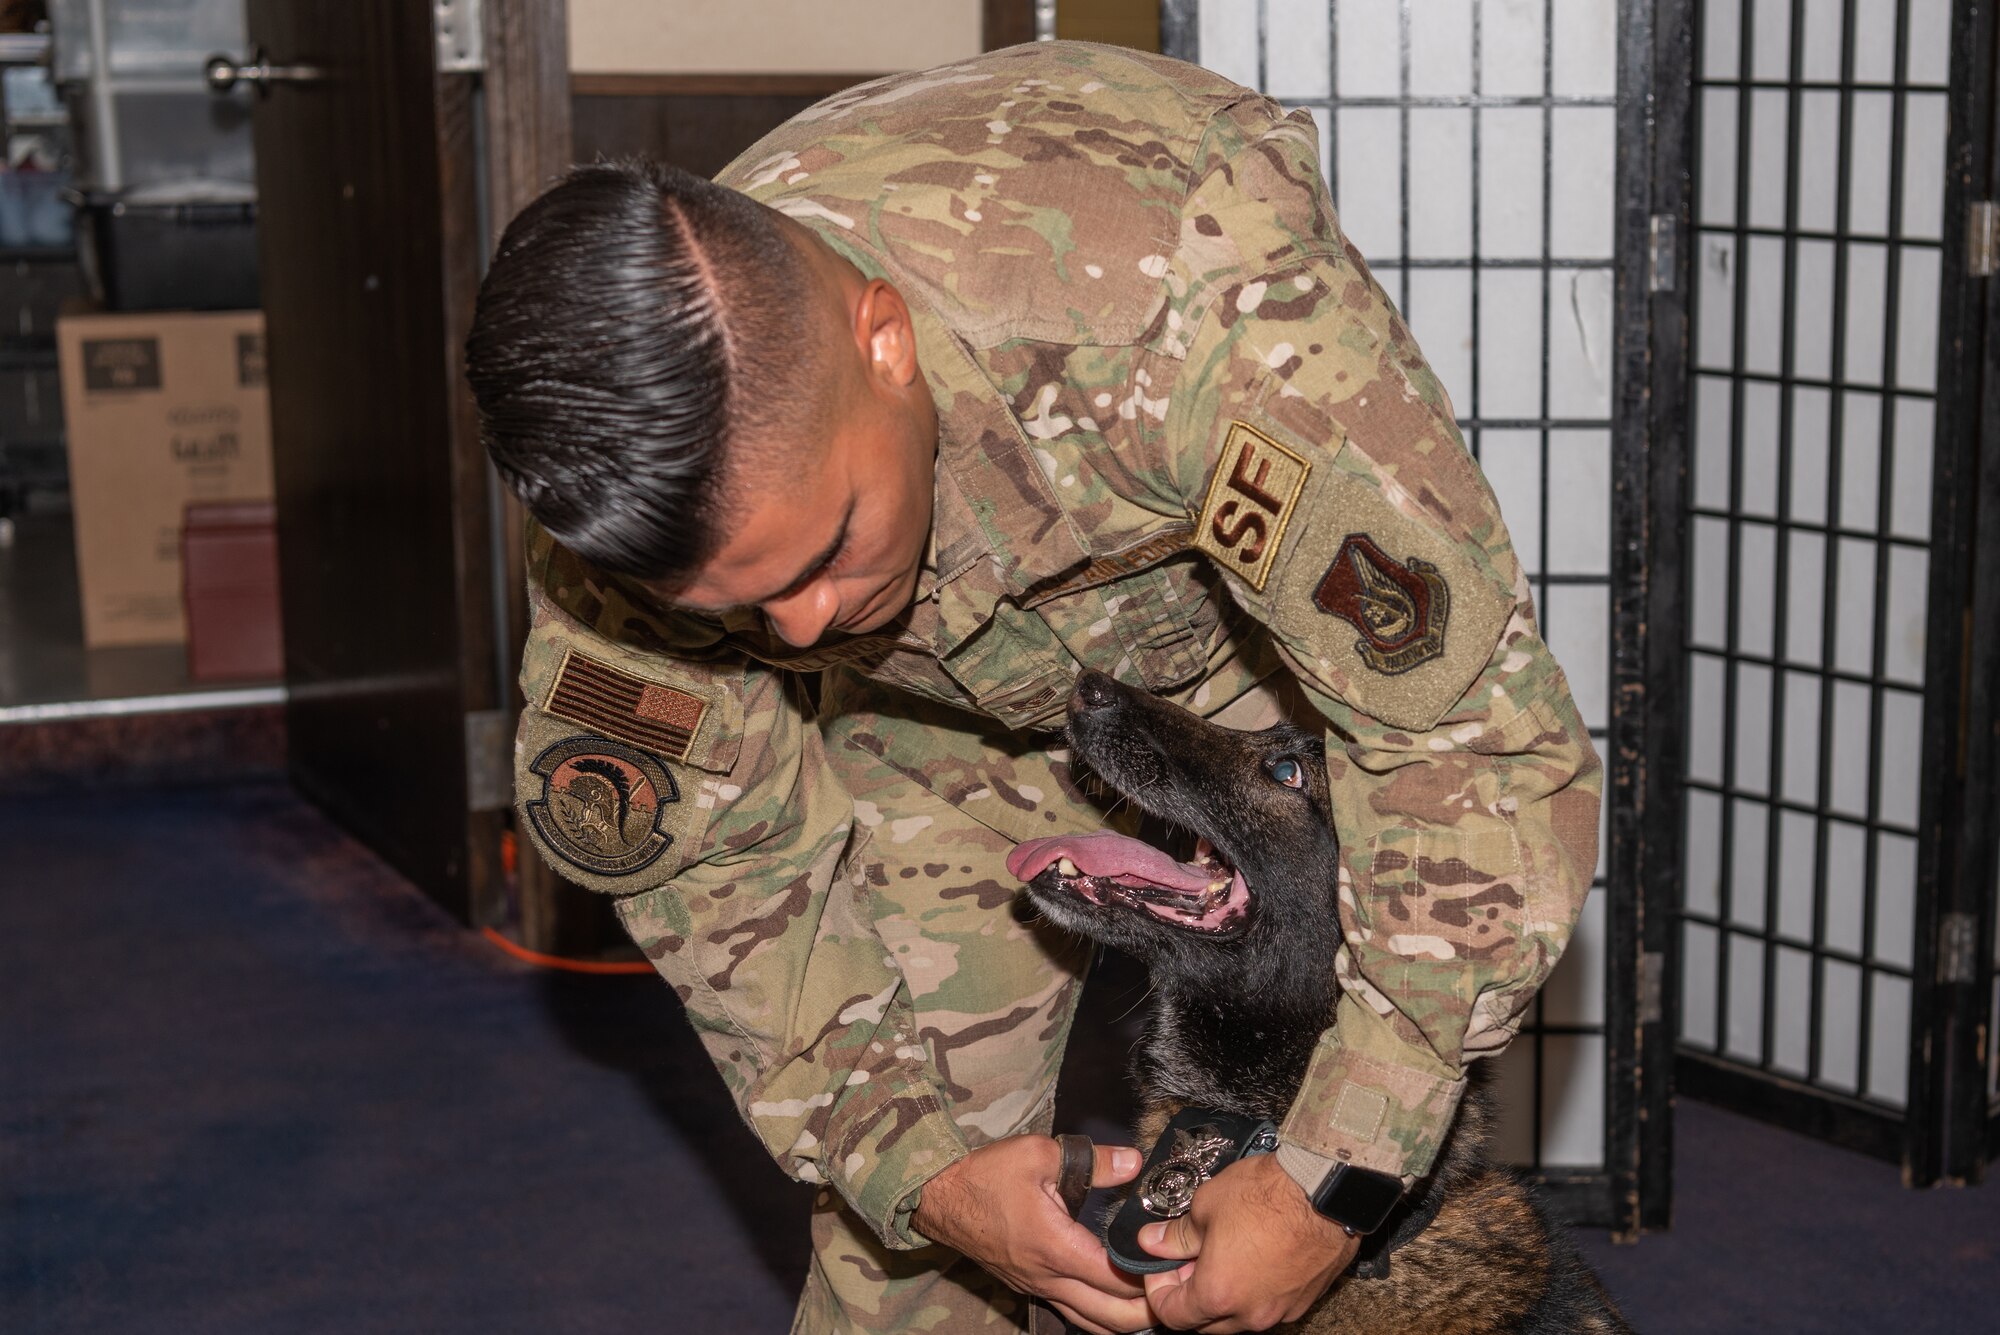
<point>1289,772</point>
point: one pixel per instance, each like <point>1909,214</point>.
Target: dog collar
<point>1193,1147</point>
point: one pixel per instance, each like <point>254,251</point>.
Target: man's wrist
<point>884,1184</point>
<point>931,1205</point>
<point>1303,1166</point>
<point>1358,1199</point>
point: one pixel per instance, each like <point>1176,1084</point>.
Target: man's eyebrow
<point>818,563</point>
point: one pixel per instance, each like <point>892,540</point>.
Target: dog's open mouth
<point>1205,895</point>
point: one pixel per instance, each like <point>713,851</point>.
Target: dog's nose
<point>1094,690</point>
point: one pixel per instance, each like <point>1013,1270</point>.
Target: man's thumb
<point>1115,1164</point>
<point>1174,1239</point>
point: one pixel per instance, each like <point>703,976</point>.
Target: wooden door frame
<point>520,101</point>
<point>1007,23</point>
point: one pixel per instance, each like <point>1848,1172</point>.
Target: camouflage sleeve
<point>1331,486</point>
<point>1467,849</point>
<point>694,787</point>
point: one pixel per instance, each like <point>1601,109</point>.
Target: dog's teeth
<point>1067,868</point>
<point>1202,850</point>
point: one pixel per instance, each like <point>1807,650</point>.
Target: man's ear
<point>885,334</point>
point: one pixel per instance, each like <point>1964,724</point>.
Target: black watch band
<point>1358,1199</point>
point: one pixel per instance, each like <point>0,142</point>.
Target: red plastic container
<point>229,563</point>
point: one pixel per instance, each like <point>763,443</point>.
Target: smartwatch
<point>1358,1199</point>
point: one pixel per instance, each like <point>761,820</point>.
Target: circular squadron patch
<point>601,804</point>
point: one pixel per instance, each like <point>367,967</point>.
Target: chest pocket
<point>1014,668</point>
<point>1149,628</point>
<point>1143,616</point>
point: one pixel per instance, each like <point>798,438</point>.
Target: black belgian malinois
<point>1240,943</point>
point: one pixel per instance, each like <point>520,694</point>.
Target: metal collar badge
<point>1196,1145</point>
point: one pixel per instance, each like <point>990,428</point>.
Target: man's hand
<point>1265,1254</point>
<point>999,1206</point>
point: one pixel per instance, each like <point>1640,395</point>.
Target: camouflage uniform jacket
<point>1177,415</point>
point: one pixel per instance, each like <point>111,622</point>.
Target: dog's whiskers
<point>1144,997</point>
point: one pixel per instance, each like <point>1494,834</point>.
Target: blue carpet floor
<point>251,1082</point>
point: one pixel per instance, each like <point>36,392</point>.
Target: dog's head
<point>1263,860</point>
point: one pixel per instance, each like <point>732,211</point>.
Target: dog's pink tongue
<point>1107,854</point>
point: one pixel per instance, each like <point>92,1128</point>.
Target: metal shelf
<point>23,48</point>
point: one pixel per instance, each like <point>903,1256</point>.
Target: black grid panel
<point>1472,149</point>
<point>1971,1119</point>
<point>1819,211</point>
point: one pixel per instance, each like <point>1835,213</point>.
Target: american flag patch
<point>595,695</point>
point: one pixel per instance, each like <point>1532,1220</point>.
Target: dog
<point>1239,941</point>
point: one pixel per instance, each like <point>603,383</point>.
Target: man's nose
<point>801,617</point>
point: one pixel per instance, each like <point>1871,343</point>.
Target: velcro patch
<point>1250,500</point>
<point>596,695</point>
<point>1393,614</point>
<point>603,805</point>
<point>1360,1111</point>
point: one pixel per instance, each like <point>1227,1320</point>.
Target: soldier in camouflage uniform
<point>1167,426</point>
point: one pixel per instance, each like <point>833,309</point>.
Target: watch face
<point>1358,1198</point>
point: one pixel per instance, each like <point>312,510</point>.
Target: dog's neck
<point>1244,1049</point>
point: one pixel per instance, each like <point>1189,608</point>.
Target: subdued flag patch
<point>596,695</point>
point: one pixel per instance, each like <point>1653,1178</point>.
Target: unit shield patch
<point>1400,607</point>
<point>1250,501</point>
<point>602,804</point>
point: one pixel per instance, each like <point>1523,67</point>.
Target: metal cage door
<point>1832,917</point>
<point>1494,160</point>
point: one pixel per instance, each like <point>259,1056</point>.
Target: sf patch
<point>603,804</point>
<point>1400,607</point>
<point>1250,500</point>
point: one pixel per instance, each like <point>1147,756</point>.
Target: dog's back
<point>1239,941</point>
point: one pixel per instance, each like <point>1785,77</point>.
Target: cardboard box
<point>162,409</point>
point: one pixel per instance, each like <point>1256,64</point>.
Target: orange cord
<point>558,962</point>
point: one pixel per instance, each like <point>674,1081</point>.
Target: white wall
<point>769,36</point>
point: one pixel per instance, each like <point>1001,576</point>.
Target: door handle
<point>223,74</point>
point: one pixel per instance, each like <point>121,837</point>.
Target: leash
<point>1079,1165</point>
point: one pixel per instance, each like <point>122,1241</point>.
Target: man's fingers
<point>1077,1319</point>
<point>1097,1313</point>
<point>1176,1239</point>
<point>1116,1164</point>
<point>1175,1303</point>
<point>1084,1259</point>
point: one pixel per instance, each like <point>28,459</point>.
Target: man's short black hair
<point>636,320</point>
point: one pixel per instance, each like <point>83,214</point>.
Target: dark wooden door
<point>369,246</point>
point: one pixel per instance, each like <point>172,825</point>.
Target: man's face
<point>829,536</point>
